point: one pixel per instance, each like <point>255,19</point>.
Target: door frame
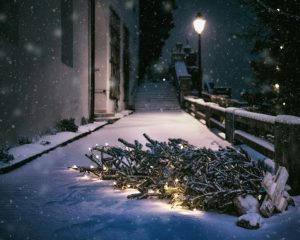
<point>92,35</point>
<point>126,64</point>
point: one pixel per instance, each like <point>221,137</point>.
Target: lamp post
<point>199,24</point>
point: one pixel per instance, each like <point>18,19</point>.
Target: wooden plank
<point>274,187</point>
<point>257,143</point>
<point>216,124</point>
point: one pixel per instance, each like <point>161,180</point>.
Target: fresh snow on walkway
<point>44,200</point>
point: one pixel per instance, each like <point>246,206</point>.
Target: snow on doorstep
<point>123,113</point>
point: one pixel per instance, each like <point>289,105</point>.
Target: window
<point>67,32</point>
<point>9,21</point>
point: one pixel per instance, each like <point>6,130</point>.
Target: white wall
<point>37,88</point>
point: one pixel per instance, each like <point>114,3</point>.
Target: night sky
<point>225,54</point>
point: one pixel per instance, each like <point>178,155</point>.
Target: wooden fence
<point>277,137</point>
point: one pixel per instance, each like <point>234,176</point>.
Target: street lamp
<point>199,24</point>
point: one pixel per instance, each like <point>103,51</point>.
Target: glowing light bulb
<point>277,86</point>
<point>97,156</point>
<point>199,23</point>
<point>176,180</point>
<point>106,144</point>
<point>114,183</point>
<point>90,149</point>
<point>92,167</point>
<point>85,177</point>
<point>259,197</point>
<point>97,145</point>
<point>104,168</point>
<point>128,186</point>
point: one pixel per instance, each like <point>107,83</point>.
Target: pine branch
<point>188,176</point>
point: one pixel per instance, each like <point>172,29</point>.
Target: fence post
<point>208,114</point>
<point>287,148</point>
<point>184,87</point>
<point>229,124</point>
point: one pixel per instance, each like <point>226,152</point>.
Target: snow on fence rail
<point>277,137</point>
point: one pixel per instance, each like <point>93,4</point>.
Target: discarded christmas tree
<point>194,178</point>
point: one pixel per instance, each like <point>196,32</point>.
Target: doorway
<point>98,84</point>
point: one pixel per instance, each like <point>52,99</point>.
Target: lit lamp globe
<point>199,23</point>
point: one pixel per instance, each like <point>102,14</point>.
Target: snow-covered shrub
<point>67,125</point>
<point>85,121</point>
<point>5,156</point>
<point>24,140</point>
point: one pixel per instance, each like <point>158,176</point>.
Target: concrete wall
<point>128,11</point>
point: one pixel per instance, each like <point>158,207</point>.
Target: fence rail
<point>277,137</point>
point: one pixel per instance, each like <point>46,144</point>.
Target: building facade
<point>64,59</point>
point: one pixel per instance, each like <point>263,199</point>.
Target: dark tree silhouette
<point>156,22</point>
<point>277,55</point>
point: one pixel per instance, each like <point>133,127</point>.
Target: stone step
<point>164,94</point>
<point>157,92</point>
<point>155,104</point>
<point>162,107</point>
<point>100,111</point>
<point>158,110</point>
<point>158,96</point>
<point>157,99</point>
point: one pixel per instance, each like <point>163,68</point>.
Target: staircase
<point>102,115</point>
<point>156,97</point>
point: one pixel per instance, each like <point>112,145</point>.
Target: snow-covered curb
<point>28,152</point>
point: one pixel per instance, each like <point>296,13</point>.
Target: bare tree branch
<point>278,10</point>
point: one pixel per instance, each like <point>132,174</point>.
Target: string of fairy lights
<point>191,178</point>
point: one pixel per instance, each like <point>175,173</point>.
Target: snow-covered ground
<point>47,142</point>
<point>44,200</point>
